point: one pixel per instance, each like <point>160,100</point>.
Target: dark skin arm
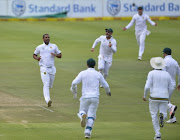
<point>36,57</point>
<point>57,55</point>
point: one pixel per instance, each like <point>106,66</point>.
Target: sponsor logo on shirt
<point>113,7</point>
<point>18,7</point>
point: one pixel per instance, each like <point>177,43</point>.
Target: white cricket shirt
<point>172,68</point>
<point>159,83</point>
<point>105,50</point>
<point>90,79</point>
<point>47,60</point>
<point>140,22</point>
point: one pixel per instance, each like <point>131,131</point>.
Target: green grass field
<point>123,116</point>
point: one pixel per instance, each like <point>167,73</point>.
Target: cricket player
<point>173,69</point>
<point>107,48</point>
<point>89,101</point>
<point>140,29</point>
<point>47,53</point>
<point>160,84</point>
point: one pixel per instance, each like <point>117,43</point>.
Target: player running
<point>89,101</point>
<point>159,84</point>
<point>107,48</point>
<point>47,52</point>
<point>140,29</point>
<point>173,69</point>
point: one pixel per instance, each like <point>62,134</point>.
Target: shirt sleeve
<point>178,73</point>
<point>171,85</point>
<point>57,51</point>
<point>113,47</point>
<point>37,50</point>
<point>131,23</point>
<point>104,84</point>
<point>148,84</point>
<point>150,21</point>
<point>96,42</point>
<point>76,81</point>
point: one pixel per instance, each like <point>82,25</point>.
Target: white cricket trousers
<point>140,37</point>
<point>48,80</point>
<point>104,65</point>
<point>169,104</point>
<point>156,106</point>
<point>89,106</point>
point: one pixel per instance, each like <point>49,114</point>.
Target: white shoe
<point>171,120</point>
<point>173,109</point>
<point>101,86</point>
<point>139,58</point>
<point>87,135</point>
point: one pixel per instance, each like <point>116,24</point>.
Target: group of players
<point>161,81</point>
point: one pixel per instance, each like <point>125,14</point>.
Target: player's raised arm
<point>151,22</point>
<point>113,47</point>
<point>130,24</point>
<point>95,43</point>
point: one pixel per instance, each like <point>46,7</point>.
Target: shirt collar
<point>91,69</point>
<point>168,56</point>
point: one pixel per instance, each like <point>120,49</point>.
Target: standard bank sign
<point>92,8</point>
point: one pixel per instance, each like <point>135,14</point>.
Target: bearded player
<point>107,49</point>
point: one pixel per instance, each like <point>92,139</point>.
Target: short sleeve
<point>57,51</point>
<point>37,50</point>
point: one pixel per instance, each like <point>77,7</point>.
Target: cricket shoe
<point>173,109</point>
<point>83,120</point>
<point>139,58</point>
<point>173,120</point>
<point>101,86</point>
<point>157,138</point>
<point>49,103</point>
<point>87,135</point>
<point>161,120</point>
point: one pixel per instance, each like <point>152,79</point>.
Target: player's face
<point>140,12</point>
<point>46,39</point>
<point>108,34</point>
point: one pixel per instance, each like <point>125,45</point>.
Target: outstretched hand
<point>92,49</point>
<point>124,29</point>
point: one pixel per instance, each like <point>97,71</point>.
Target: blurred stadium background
<point>74,25</point>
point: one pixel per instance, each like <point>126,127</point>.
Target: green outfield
<point>123,116</point>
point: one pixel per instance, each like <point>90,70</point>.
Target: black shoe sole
<point>49,103</point>
<point>161,123</point>
<point>172,115</point>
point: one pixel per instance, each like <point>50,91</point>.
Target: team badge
<point>18,7</point>
<point>44,72</point>
<point>113,7</point>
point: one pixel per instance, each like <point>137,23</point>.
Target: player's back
<point>160,84</point>
<point>90,83</point>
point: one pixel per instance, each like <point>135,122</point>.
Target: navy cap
<point>91,62</point>
<point>167,51</point>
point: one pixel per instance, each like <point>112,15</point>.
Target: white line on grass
<point>45,108</point>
